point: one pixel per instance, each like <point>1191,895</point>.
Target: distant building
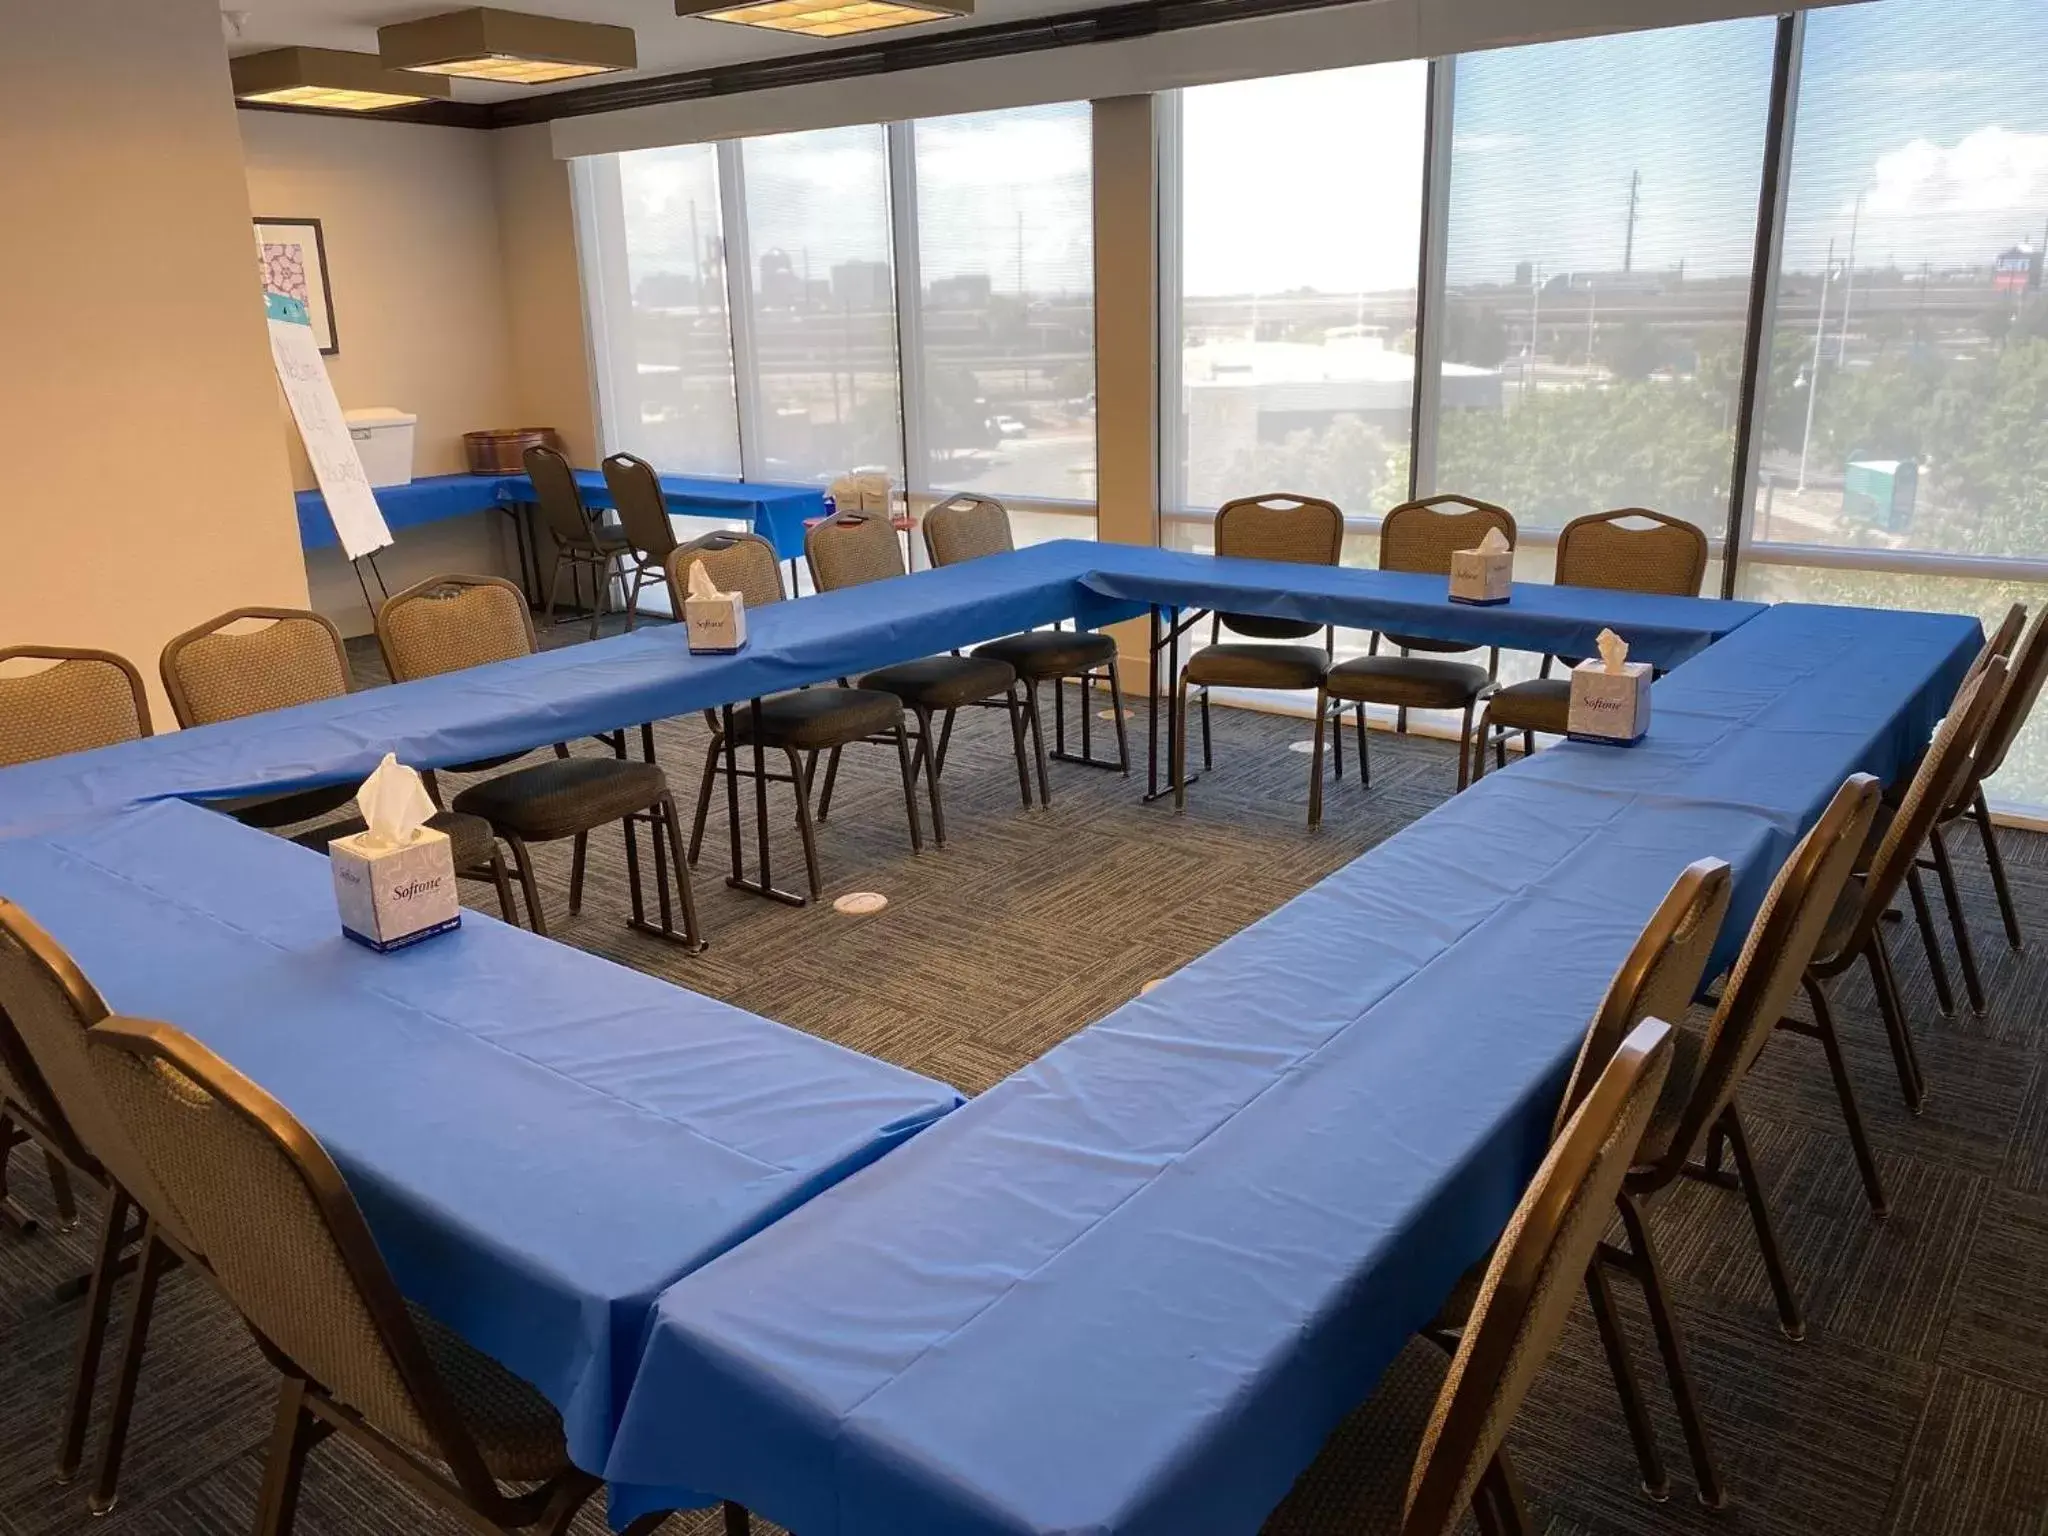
<point>968,290</point>
<point>862,285</point>
<point>781,287</point>
<point>2017,270</point>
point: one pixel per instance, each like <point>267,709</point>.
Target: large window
<point>1602,229</point>
<point>1297,249</point>
<point>1005,325</point>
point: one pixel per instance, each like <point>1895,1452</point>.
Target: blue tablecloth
<point>1538,617</point>
<point>1132,1288</point>
<point>776,512</point>
<point>541,1140</point>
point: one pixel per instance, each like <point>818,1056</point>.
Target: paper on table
<point>394,802</point>
<point>1613,650</point>
<point>1494,543</point>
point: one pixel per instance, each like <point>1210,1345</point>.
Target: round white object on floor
<point>1303,747</point>
<point>1110,714</point>
<point>860,903</point>
<point>1155,981</point>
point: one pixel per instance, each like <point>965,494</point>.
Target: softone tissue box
<point>397,895</point>
<point>1610,707</point>
<point>1482,576</point>
<point>716,623</point>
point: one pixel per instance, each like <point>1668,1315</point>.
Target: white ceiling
<point>668,42</point>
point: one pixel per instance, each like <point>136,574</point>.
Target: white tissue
<point>702,587</point>
<point>1613,650</point>
<point>394,802</point>
<point>1494,543</point>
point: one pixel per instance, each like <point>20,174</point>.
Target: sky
<point>1315,180</point>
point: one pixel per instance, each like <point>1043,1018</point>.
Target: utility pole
<point>1849,284</point>
<point>1820,325</point>
<point>1592,320</point>
<point>1535,313</point>
<point>1628,249</point>
<point>1020,255</point>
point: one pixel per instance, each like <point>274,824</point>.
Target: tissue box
<point>392,897</point>
<point>1481,577</point>
<point>1610,707</point>
<point>716,623</point>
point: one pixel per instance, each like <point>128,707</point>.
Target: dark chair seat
<point>561,798</point>
<point>269,811</point>
<point>1052,652</point>
<point>517,1431</point>
<point>812,719</point>
<point>943,682</point>
<point>469,837</point>
<point>1412,682</point>
<point>1231,665</point>
<point>1423,643</point>
<point>1358,1483</point>
<point>1540,704</point>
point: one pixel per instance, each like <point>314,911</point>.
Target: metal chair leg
<point>1179,762</point>
<point>156,1258</point>
<point>925,757</point>
<point>1465,747</point>
<point>831,778</point>
<point>1478,746</point>
<point>292,1436</point>
<point>1315,763</point>
<point>1498,1504</point>
<point>1116,704</point>
<point>704,788</point>
<point>578,859</point>
<point>1037,723</point>
<point>14,1217</point>
<point>555,587</point>
<point>633,597</point>
<point>1642,1433</point>
<point>508,907</point>
<point>1664,1322</point>
<point>803,819</point>
<point>1966,952</point>
<point>669,821</point>
<point>92,1336</point>
<point>1890,1007</point>
<point>1980,811</point>
<point>1364,749</point>
<point>1208,753</point>
<point>522,864</point>
<point>1014,707</point>
<point>909,784</point>
<point>1923,917</point>
<point>1838,1068</point>
<point>1789,1320</point>
<point>737,1522</point>
<point>1337,745</point>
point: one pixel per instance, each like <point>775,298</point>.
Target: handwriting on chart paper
<point>358,521</point>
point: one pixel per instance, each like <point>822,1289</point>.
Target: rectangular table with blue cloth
<point>776,512</point>
<point>541,1140</point>
<point>1133,1288</point>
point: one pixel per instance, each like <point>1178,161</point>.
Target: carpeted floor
<point>1918,1402</point>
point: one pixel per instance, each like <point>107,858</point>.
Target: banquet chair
<point>47,1008</point>
<point>1658,979</point>
<point>2025,673</point>
<point>580,544</point>
<point>1855,928</point>
<point>1428,1445</point>
<point>854,548</point>
<point>643,520</point>
<point>82,700</point>
<point>1631,549</point>
<point>1697,1111</point>
<point>966,527</point>
<point>1420,536</point>
<point>799,724</point>
<point>215,673</point>
<point>1304,530</point>
<point>452,623</point>
<point>288,1247</point>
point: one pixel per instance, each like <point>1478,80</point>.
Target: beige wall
<point>537,226</point>
<point>148,486</point>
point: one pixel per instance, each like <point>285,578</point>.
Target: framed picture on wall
<point>291,258</point>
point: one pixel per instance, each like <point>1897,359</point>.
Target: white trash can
<point>383,439</point>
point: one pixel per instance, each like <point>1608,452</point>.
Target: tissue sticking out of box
<point>1613,650</point>
<point>702,587</point>
<point>874,491</point>
<point>1495,543</point>
<point>394,802</point>
<point>845,493</point>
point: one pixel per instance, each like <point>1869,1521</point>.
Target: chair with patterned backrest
<point>1697,1109</point>
<point>799,724</point>
<point>1279,525</point>
<point>285,1242</point>
<point>580,543</point>
<point>1427,1447</point>
<point>2027,668</point>
<point>644,522</point>
<point>969,527</point>
<point>851,549</point>
<point>56,699</point>
<point>1855,929</point>
<point>452,623</point>
<point>46,1008</point>
<point>1421,536</point>
<point>1630,549</point>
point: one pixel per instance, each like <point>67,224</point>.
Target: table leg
<point>1171,643</point>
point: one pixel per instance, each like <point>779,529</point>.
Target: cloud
<point>1487,143</point>
<point>1993,170</point>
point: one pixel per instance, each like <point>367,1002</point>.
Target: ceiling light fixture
<point>826,18</point>
<point>330,78</point>
<point>506,46</point>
